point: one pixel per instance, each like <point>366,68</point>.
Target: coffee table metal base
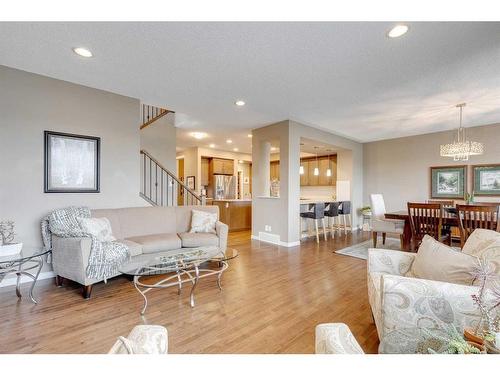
<point>191,275</point>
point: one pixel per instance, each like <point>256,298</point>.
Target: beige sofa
<point>147,231</point>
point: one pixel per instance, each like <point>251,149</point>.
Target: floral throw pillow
<point>97,227</point>
<point>203,222</point>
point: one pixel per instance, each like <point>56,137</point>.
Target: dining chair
<point>448,204</point>
<point>427,218</point>
<point>317,213</point>
<point>382,225</point>
<point>332,215</point>
<point>471,217</point>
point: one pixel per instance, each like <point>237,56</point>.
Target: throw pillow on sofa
<point>203,222</point>
<point>484,244</point>
<point>97,227</point>
<point>439,262</point>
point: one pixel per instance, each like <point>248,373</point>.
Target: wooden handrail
<point>151,113</point>
<point>170,179</point>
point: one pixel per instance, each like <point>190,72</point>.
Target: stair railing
<point>150,114</point>
<point>160,187</point>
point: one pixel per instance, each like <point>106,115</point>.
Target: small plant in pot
<point>7,246</point>
<point>487,331</point>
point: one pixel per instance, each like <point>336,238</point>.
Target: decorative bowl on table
<point>10,249</point>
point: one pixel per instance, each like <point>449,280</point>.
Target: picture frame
<point>71,163</point>
<point>486,180</point>
<point>190,182</point>
<point>448,181</point>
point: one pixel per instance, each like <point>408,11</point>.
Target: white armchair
<point>402,305</point>
<point>143,339</point>
<point>382,225</point>
<point>335,338</point>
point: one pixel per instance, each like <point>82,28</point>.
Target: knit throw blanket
<point>105,257</point>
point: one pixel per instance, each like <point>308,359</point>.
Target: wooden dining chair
<point>454,231</point>
<point>426,218</point>
<point>471,217</point>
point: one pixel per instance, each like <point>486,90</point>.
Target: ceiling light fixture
<point>273,148</point>
<point>397,31</point>
<point>229,141</point>
<point>249,135</point>
<point>235,149</point>
<point>461,148</point>
<point>84,52</point>
<point>198,135</point>
<point>211,145</point>
<point>328,171</point>
<point>239,103</point>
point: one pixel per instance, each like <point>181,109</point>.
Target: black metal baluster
<point>150,178</point>
<point>161,187</point>
<point>156,183</point>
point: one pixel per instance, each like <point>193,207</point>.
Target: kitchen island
<point>236,213</point>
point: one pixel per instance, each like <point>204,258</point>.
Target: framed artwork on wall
<point>190,182</point>
<point>448,181</point>
<point>486,179</point>
<point>71,163</point>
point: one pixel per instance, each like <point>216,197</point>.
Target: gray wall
<point>158,139</point>
<point>399,168</point>
<point>283,213</point>
<point>30,104</point>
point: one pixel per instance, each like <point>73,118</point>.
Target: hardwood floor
<point>271,301</point>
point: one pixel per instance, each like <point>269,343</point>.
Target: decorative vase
<point>10,249</point>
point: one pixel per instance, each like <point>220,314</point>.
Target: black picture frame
<point>48,162</point>
<point>191,182</point>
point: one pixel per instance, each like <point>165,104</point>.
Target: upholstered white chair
<point>143,339</point>
<point>336,338</point>
<point>382,225</point>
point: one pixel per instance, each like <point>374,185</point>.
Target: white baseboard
<point>11,279</point>
<point>279,243</point>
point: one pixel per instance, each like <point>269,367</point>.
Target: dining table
<point>449,220</point>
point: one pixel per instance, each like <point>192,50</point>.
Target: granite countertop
<point>315,200</point>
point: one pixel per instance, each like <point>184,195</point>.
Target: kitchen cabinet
<point>275,170</point>
<point>205,171</point>
<point>236,213</point>
<point>309,179</point>
<point>222,166</point>
<point>304,178</point>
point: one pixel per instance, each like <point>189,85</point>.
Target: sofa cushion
<point>198,239</point>
<point>134,248</point>
<point>153,243</point>
<point>436,261</point>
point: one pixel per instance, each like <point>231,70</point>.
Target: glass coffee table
<point>29,259</point>
<point>178,269</point>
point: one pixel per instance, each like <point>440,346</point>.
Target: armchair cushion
<point>408,305</point>
<point>436,261</point>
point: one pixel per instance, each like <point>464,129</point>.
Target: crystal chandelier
<point>461,148</point>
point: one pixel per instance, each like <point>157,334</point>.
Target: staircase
<point>159,186</point>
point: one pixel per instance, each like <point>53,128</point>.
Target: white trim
<point>281,243</point>
<point>8,281</point>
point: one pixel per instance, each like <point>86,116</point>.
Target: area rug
<point>360,250</point>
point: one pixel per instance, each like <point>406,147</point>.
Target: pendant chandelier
<point>461,148</point>
<point>316,169</point>
<point>328,171</point>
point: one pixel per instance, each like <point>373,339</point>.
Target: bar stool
<point>332,213</point>
<point>344,214</point>
<point>318,213</point>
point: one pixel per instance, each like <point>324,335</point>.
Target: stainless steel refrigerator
<point>224,187</point>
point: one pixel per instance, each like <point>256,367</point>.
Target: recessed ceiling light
<point>273,148</point>
<point>84,52</point>
<point>397,31</point>
<point>240,103</point>
<point>198,135</point>
<point>235,149</point>
<point>229,141</point>
<point>211,145</point>
<point>249,135</point>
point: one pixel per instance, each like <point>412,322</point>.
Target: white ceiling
<point>348,78</point>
